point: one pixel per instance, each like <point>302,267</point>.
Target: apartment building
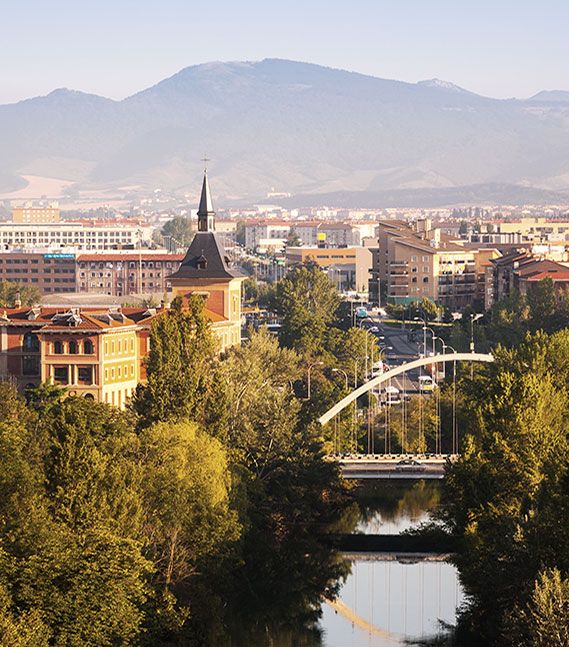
<point>347,267</point>
<point>520,268</point>
<point>524,230</point>
<point>265,234</point>
<point>49,271</point>
<point>126,273</point>
<point>54,271</point>
<point>92,353</point>
<point>36,214</point>
<point>416,261</point>
<point>83,235</point>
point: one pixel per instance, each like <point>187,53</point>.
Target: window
<point>61,374</point>
<point>426,269</point>
<point>413,259</point>
<point>425,259</point>
<point>88,347</point>
<point>85,375</point>
<point>58,347</point>
<point>30,365</point>
<point>425,279</point>
<point>73,347</point>
<point>89,396</point>
<point>31,343</point>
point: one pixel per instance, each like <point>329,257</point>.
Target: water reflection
<point>392,508</point>
<point>389,603</point>
<point>379,603</point>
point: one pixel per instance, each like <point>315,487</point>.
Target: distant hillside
<point>290,126</point>
<point>499,194</point>
<point>552,95</point>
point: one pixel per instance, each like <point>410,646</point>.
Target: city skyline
<point>516,49</point>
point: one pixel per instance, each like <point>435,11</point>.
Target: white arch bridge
<point>384,465</point>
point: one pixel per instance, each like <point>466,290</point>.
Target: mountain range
<point>285,126</point>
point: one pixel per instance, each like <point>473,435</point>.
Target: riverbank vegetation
<point>195,511</point>
<point>507,498</point>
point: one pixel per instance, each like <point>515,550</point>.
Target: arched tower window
<point>73,347</point>
<point>88,347</point>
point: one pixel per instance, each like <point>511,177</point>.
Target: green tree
<point>10,292</point>
<point>507,495</point>
<point>180,229</point>
<point>89,587</point>
<point>509,320</point>
<point>25,629</point>
<point>70,517</point>
<point>240,233</point>
<point>262,408</point>
<point>307,301</point>
<point>425,308</point>
<point>180,366</point>
<point>293,239</point>
<point>544,620</point>
<point>352,351</point>
<point>186,493</point>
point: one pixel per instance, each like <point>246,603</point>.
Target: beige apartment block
<point>416,261</point>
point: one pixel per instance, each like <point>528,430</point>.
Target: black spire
<point>206,258</point>
<point>206,214</point>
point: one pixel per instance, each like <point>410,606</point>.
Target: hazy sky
<point>500,48</point>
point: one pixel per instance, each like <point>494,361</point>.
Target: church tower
<point>207,270</point>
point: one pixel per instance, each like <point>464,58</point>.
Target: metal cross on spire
<point>205,159</point>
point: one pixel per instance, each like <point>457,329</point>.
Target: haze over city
<point>284,323</point>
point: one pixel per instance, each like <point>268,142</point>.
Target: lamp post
<point>424,334</point>
<point>433,337</point>
<point>309,370</point>
<point>360,327</point>
<point>473,317</point>
<point>341,370</point>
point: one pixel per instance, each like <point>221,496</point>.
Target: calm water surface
<point>389,603</point>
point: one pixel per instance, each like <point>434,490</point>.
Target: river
<point>385,603</point>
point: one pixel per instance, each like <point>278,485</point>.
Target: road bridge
<point>399,419</point>
<point>398,370</point>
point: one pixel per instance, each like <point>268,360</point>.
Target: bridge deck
<point>395,546</point>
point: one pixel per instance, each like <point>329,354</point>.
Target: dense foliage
<point>507,498</point>
<point>197,510</point>
<point>10,293</point>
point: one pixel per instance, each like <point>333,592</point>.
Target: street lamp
<point>309,370</point>
<point>424,334</point>
<point>340,370</point>
<point>360,327</point>
<point>433,337</point>
<point>473,317</point>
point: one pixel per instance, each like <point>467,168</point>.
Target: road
<point>398,350</point>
